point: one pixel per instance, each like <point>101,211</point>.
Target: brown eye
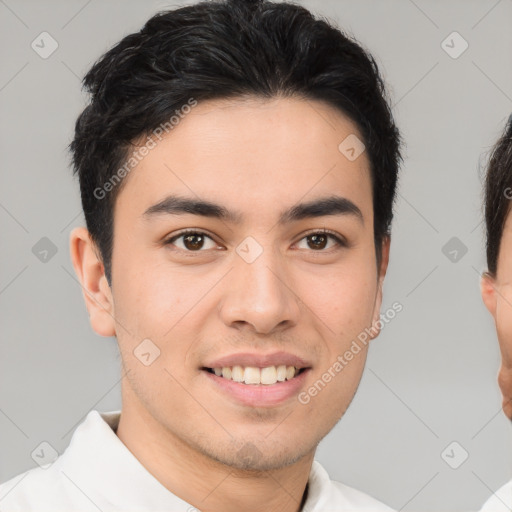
<point>320,240</point>
<point>317,241</point>
<point>192,241</point>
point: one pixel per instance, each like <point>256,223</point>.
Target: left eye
<point>319,241</point>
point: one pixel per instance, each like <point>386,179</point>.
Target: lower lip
<point>260,395</point>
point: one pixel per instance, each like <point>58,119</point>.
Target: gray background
<point>431,375</point>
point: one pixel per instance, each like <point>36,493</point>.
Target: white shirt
<point>97,472</point>
<point>500,501</point>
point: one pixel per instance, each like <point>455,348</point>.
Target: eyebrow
<point>177,205</point>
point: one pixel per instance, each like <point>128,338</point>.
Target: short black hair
<point>498,193</point>
<point>221,50</point>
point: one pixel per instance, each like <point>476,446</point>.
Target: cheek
<point>344,299</point>
<point>152,296</point>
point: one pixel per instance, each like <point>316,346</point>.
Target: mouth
<point>255,386</point>
<point>257,379</point>
<point>255,376</point>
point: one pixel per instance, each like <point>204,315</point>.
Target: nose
<point>258,296</point>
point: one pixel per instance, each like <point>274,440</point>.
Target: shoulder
<point>35,489</point>
<point>48,490</point>
<point>61,485</point>
<point>500,501</point>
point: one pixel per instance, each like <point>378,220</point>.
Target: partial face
<point>268,276</point>
<point>497,296</point>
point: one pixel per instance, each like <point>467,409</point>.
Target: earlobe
<point>505,383</point>
<point>376,325</point>
<point>96,291</point>
<point>488,291</point>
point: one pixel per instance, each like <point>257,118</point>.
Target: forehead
<point>253,155</point>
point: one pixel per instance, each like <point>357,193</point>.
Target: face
<point>497,296</point>
<point>268,275</point>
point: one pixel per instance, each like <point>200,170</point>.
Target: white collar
<point>119,480</point>
<point>97,471</point>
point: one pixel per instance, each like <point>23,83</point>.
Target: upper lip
<point>258,360</point>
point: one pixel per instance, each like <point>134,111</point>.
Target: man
<point>237,164</point>
<point>496,283</point>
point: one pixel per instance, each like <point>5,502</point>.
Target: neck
<point>207,484</point>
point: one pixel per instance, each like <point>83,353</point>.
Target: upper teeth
<point>254,375</point>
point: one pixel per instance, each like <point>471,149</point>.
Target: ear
<point>505,383</point>
<point>91,274</point>
<point>488,291</point>
<point>376,325</point>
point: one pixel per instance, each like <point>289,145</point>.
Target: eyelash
<point>340,242</point>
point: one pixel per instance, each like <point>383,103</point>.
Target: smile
<point>253,375</point>
<point>258,387</point>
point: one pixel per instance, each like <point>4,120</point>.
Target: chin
<point>252,459</point>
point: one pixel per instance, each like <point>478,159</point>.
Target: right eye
<point>191,241</point>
